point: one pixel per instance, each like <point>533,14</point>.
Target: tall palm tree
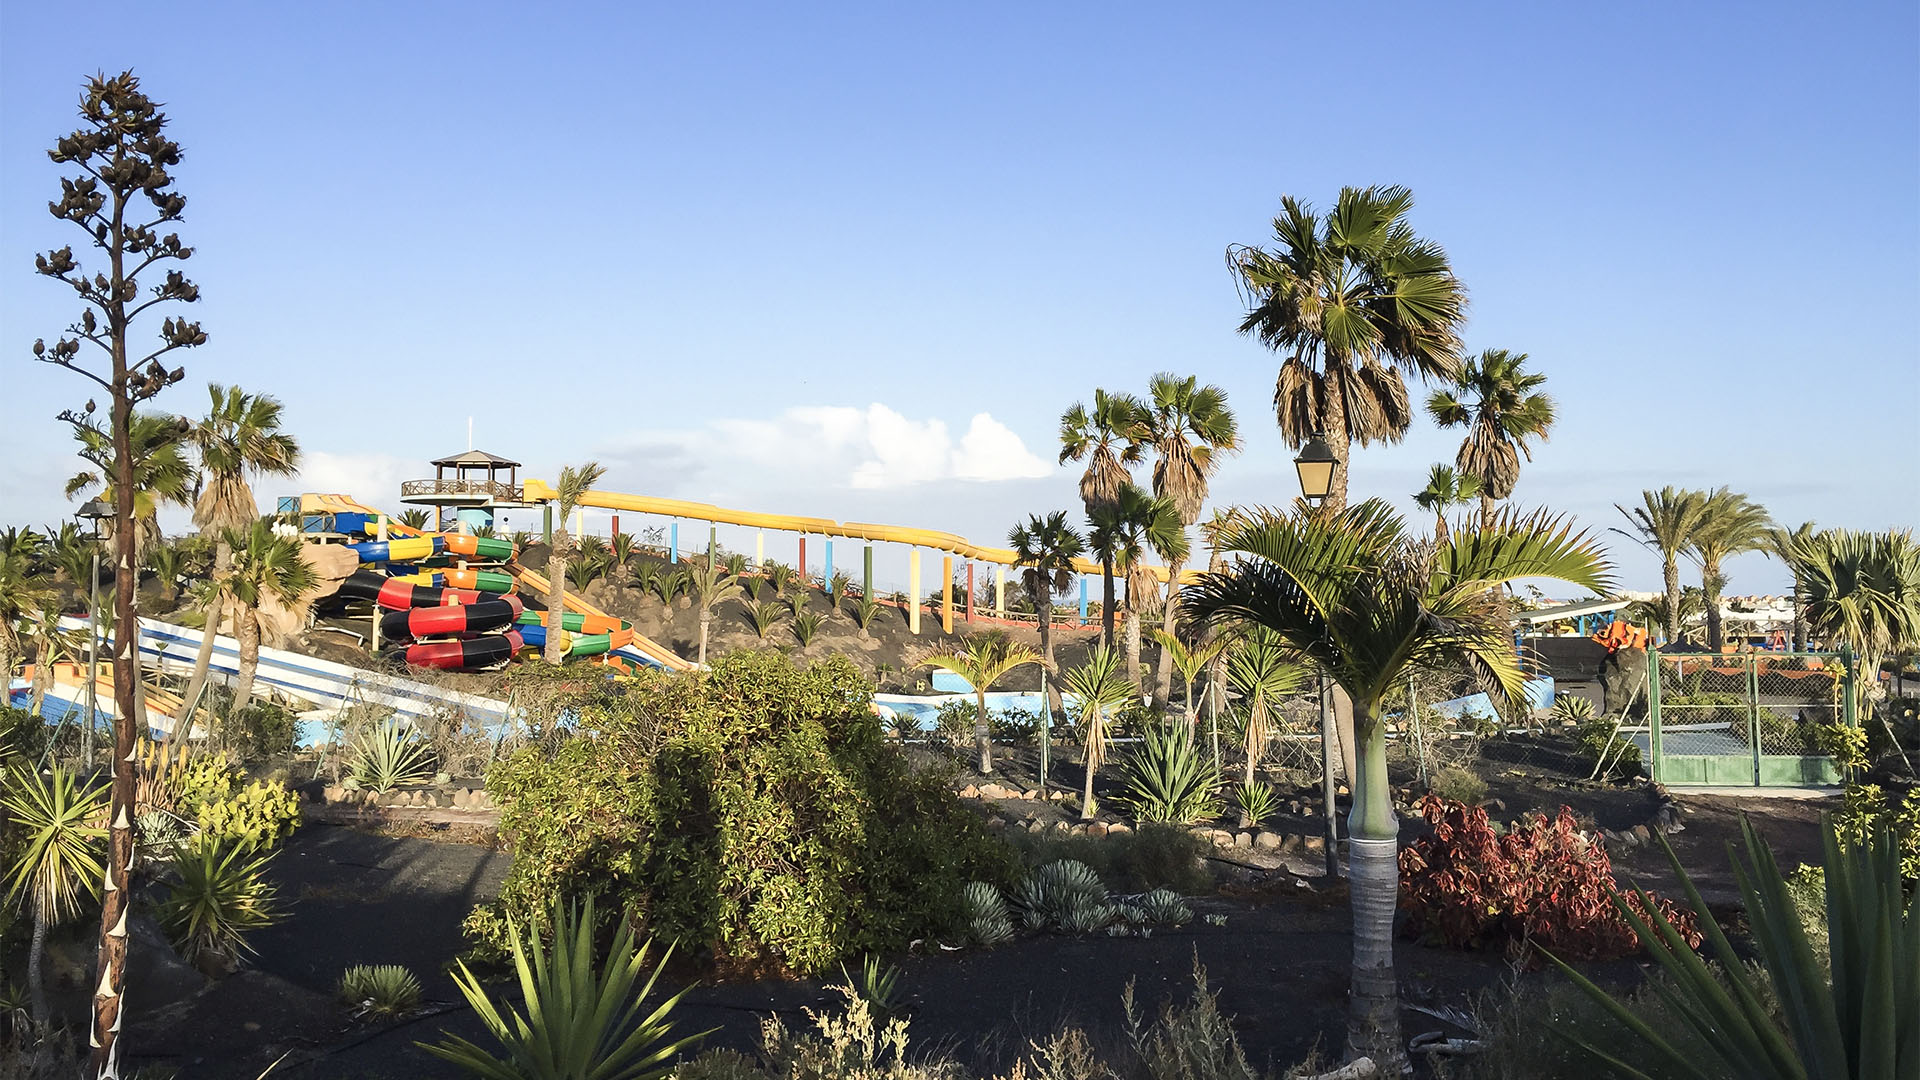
<point>571,486</point>
<point>1109,439</point>
<point>162,475</point>
<point>1263,671</point>
<point>1862,591</point>
<point>981,660</point>
<point>59,866</point>
<point>24,594</point>
<point>1356,594</point>
<point>52,644</point>
<point>266,566</point>
<point>1446,488</point>
<point>1730,523</point>
<point>1355,300</point>
<point>1784,544</point>
<point>1666,522</point>
<point>1190,428</point>
<point>1122,533</point>
<point>1098,688</point>
<point>711,586</point>
<point>1044,549</point>
<point>1500,404</point>
<point>239,436</point>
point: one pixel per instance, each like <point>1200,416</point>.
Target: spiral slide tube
<point>441,617</point>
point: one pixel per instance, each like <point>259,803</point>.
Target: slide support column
<point>713,542</point>
<point>946,594</point>
<point>673,543</point>
<point>546,528</point>
<point>1083,601</point>
<point>759,548</point>
<point>1000,591</point>
<point>803,562</point>
<point>913,591</point>
<point>826,575</point>
<point>866,573</point>
<point>969,590</point>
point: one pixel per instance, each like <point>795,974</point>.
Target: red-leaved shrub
<point>1544,883</point>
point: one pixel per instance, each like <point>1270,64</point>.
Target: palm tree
<point>712,586</point>
<point>620,552</point>
<point>1862,591</point>
<point>1666,521</point>
<point>1190,428</point>
<point>1355,300</point>
<point>162,475</point>
<point>1446,489</point>
<point>981,660</point>
<point>415,518</point>
<point>169,564</point>
<point>1109,440</point>
<point>59,866</point>
<point>266,565</point>
<point>1044,549</point>
<point>573,484</point>
<point>1123,533</point>
<point>24,593</point>
<point>1263,672</point>
<point>52,644</point>
<point>1502,408</point>
<point>1366,601</point>
<point>1690,610</point>
<point>1730,523</point>
<point>1098,687</point>
<point>1783,544</point>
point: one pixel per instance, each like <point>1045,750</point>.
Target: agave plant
<point>580,1021</point>
<point>988,920</point>
<point>221,896</point>
<point>764,616</point>
<point>805,625</point>
<point>389,754</point>
<point>1168,779</point>
<point>1166,907</point>
<point>382,991</point>
<point>1863,1021</point>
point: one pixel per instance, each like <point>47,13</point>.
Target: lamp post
<point>93,512</point>
<point>1314,464</point>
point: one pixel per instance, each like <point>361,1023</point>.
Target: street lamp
<point>1315,466</point>
<point>93,511</point>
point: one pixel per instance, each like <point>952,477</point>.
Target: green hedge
<point>753,812</point>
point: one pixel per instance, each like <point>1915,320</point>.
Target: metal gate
<point>1748,719</point>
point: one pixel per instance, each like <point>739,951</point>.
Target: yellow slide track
<point>538,584</point>
<point>536,491</point>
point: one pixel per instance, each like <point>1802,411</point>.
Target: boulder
<point>1266,841</point>
<point>1313,845</point>
<point>1243,841</point>
<point>1623,678</point>
<point>1097,828</point>
<point>1118,828</point>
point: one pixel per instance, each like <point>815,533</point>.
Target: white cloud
<point>371,478</point>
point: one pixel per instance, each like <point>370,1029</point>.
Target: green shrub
<point>261,731</point>
<point>1807,887</point>
<point>22,735</point>
<point>1596,737</point>
<point>219,896</point>
<point>261,814</point>
<point>1866,807</point>
<point>1458,785</point>
<point>755,809</point>
<point>1168,779</point>
<point>382,991</point>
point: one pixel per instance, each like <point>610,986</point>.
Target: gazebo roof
<point>475,457</point>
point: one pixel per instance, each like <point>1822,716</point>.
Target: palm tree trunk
<point>1090,720</point>
<point>1440,527</point>
<point>1670,578</point>
<point>1373,1019</point>
<point>248,631</point>
<point>982,731</point>
<point>1163,687</point>
<point>1710,589</point>
<point>36,986</point>
<point>557,592</point>
<point>203,659</point>
<point>1133,641</point>
<point>706,617</point>
<point>1045,608</point>
<point>1334,417</point>
<point>1106,601</point>
<point>1343,732</point>
<point>1799,642</point>
<point>1486,511</point>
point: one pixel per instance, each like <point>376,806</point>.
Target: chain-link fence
<point>1749,719</point>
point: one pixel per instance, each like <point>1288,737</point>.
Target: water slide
<point>437,615</point>
<point>67,697</point>
<point>640,649</point>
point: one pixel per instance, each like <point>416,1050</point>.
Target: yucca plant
<point>805,625</point>
<point>736,565</point>
<point>389,754</point>
<point>1863,1022</point>
<point>220,896</point>
<point>581,1020</point>
<point>58,866</point>
<point>1256,802</point>
<point>1168,779</point>
<point>381,991</point>
<point>878,985</point>
<point>764,616</point>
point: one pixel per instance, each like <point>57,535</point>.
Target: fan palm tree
<point>162,475</point>
<point>58,867</point>
<point>1099,688</point>
<point>1190,429</point>
<point>1356,594</point>
<point>1783,544</point>
<point>1861,591</point>
<point>1044,549</point>
<point>1500,404</point>
<point>1446,488</point>
<point>1666,522</point>
<point>266,566</point>
<point>1122,533</point>
<point>1730,523</point>
<point>1109,440</point>
<point>1355,301</point>
<point>24,593</point>
<point>711,586</point>
<point>573,483</point>
<point>982,659</point>
<point>1263,671</point>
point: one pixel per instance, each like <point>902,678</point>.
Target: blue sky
<point>786,258</point>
